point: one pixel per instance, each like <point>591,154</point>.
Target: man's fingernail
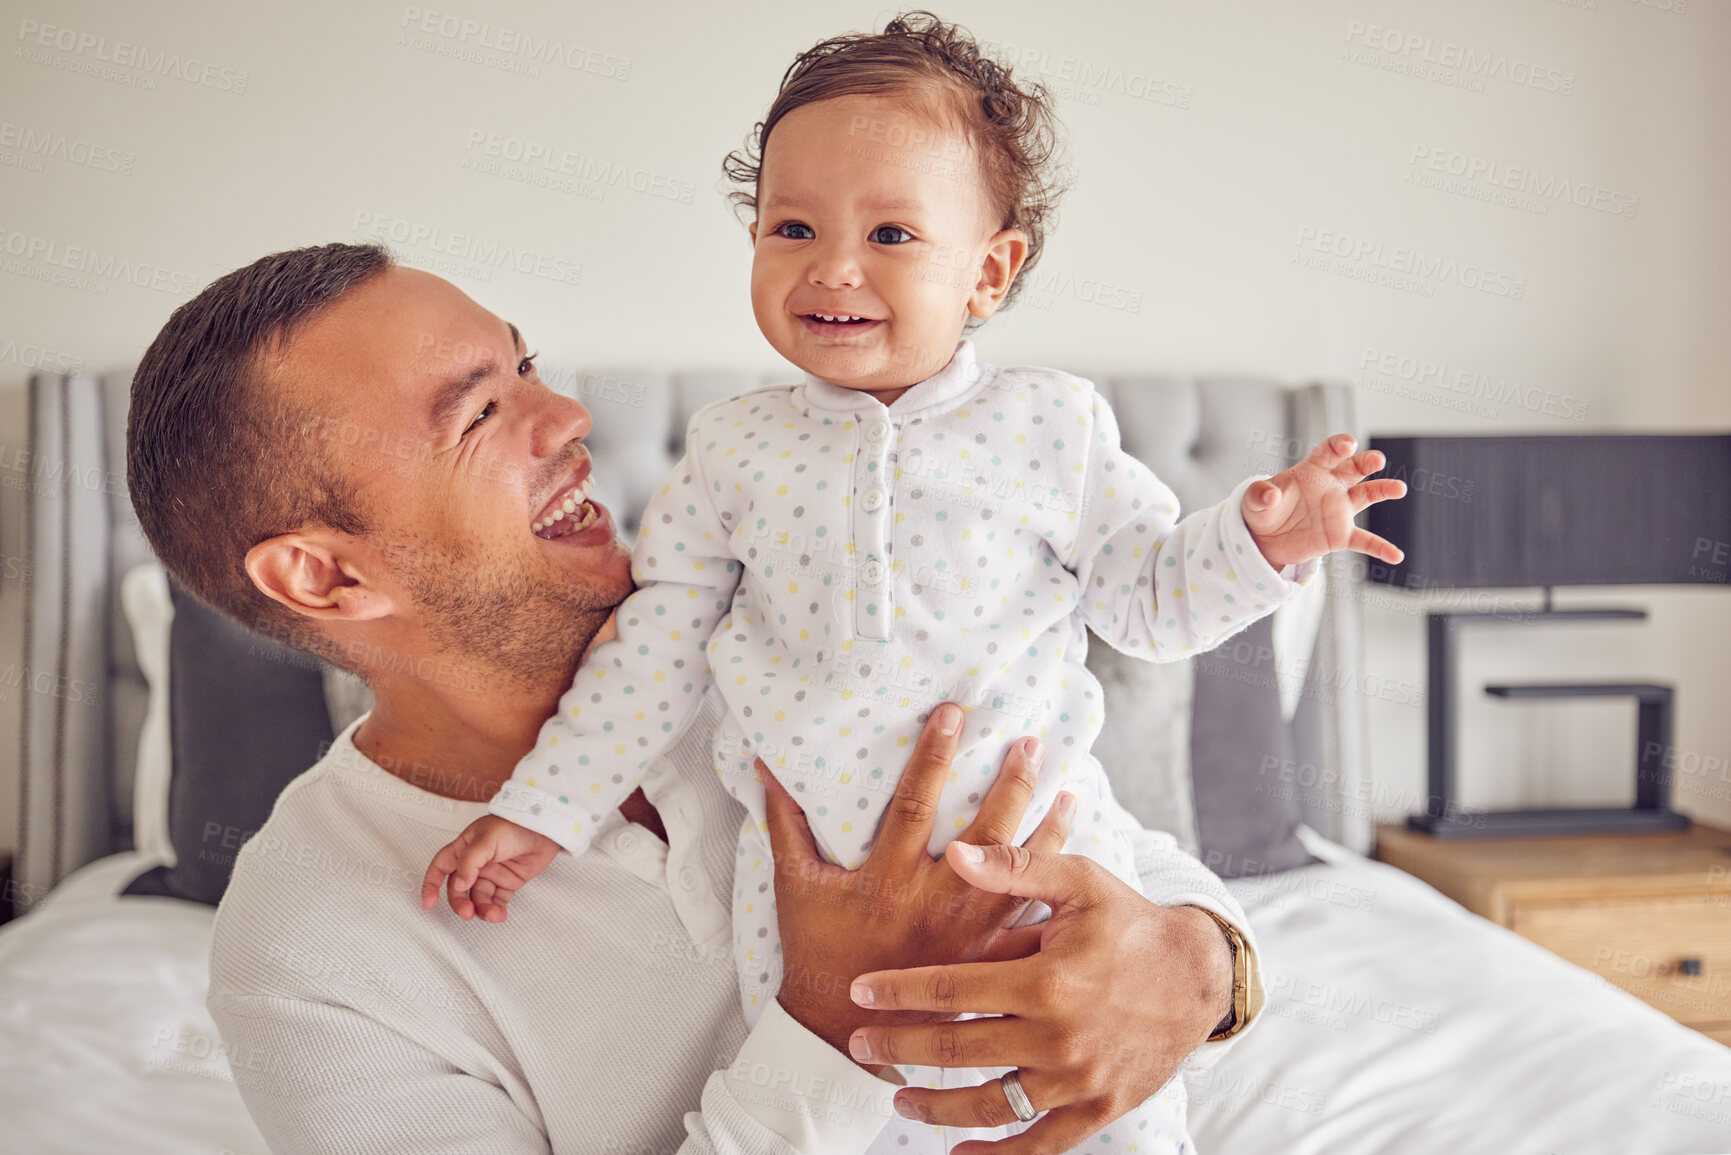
<point>860,994</point>
<point>1066,805</point>
<point>972,855</point>
<point>949,719</point>
<point>860,1048</point>
<point>905,1108</point>
<point>1036,753</point>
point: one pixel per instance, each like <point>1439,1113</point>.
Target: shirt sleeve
<point>318,1077</point>
<point>635,695</point>
<point>1157,587</point>
<point>1172,877</point>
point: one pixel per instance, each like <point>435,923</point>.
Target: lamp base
<point>1543,823</point>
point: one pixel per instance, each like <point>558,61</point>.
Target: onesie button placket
<point>874,598</point>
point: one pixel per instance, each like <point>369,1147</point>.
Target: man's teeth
<point>575,506</point>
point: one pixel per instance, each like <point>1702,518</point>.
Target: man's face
<point>870,212</point>
<point>471,471</point>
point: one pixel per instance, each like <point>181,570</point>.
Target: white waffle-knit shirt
<point>601,1017</point>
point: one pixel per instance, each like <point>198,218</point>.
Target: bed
<point>1396,1021</point>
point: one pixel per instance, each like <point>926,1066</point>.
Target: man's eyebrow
<point>452,395</point>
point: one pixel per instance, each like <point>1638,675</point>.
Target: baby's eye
<point>795,231</point>
<point>891,235</point>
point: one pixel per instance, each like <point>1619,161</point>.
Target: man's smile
<point>569,512</point>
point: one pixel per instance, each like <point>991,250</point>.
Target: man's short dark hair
<point>217,458</point>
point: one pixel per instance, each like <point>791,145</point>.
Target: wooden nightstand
<point>1648,912</point>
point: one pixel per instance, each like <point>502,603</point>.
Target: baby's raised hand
<point>486,864</point>
<point>1307,511</point>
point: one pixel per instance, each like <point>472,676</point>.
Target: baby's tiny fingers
<point>1368,493</point>
<point>1369,462</point>
<point>1366,542</point>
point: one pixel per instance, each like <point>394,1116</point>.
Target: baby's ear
<point>1005,254</point>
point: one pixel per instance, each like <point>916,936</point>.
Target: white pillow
<point>150,612</point>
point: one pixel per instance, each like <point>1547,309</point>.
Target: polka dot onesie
<point>836,568</point>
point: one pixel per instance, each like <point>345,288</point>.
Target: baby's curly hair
<point>918,56</point>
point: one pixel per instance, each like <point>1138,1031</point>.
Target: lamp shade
<point>1640,509</point>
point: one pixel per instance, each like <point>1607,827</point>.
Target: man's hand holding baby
<point>1307,511</point>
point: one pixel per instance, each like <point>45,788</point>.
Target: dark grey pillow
<point>246,716</point>
<point>1245,826</point>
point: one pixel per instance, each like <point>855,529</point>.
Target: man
<point>335,449</point>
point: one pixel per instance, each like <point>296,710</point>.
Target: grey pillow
<point>1245,825</point>
<point>246,716</point>
<point>1145,743</point>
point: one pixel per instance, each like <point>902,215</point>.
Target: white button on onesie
<point>837,568</point>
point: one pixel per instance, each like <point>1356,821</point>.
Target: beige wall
<point>1215,145</point>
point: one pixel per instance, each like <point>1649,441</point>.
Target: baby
<point>909,525</point>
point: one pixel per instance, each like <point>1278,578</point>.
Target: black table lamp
<point>1545,511</point>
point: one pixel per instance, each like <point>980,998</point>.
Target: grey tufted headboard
<point>80,730</point>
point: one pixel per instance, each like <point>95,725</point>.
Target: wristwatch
<point>1239,1016</point>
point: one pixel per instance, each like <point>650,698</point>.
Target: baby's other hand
<point>1307,511</point>
<point>486,865</point>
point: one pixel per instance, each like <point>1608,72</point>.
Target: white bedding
<point>1396,1023</point>
<point>105,1045</point>
<point>1399,1022</point>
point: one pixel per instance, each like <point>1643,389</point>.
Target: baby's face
<point>874,213</point>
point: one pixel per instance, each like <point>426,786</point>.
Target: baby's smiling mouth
<point>569,512</point>
<point>839,318</point>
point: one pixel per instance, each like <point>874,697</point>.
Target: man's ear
<point>309,573</point>
<point>752,229</point>
<point>1005,254</point>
